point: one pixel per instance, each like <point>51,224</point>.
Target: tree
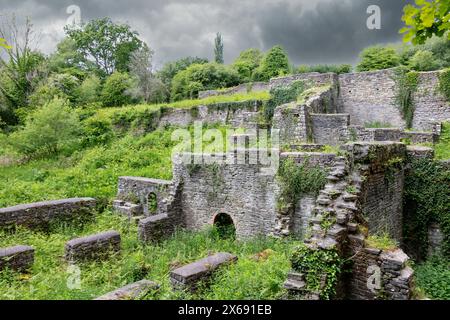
<point>147,87</point>
<point>186,84</point>
<point>275,63</point>
<point>115,90</point>
<point>107,44</point>
<point>48,130</point>
<point>170,69</point>
<point>89,90</point>
<point>425,19</point>
<point>218,49</point>
<point>378,58</point>
<point>21,68</point>
<point>247,62</point>
<point>67,59</point>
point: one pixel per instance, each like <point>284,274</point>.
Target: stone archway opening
<point>152,203</point>
<point>224,225</point>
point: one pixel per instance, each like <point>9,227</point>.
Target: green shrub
<point>378,58</point>
<point>89,90</point>
<point>114,93</point>
<point>324,68</point>
<point>433,277</point>
<point>197,77</point>
<point>423,60</point>
<point>48,130</point>
<point>96,131</point>
<point>57,85</point>
<point>442,148</point>
<point>274,64</point>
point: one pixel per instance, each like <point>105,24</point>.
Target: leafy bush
<point>48,130</point>
<point>171,69</point>
<point>423,60</point>
<point>444,83</point>
<point>89,90</point>
<point>96,131</point>
<point>197,77</point>
<point>274,64</point>
<point>433,277</point>
<point>57,85</point>
<point>324,68</point>
<point>378,58</point>
<point>114,93</point>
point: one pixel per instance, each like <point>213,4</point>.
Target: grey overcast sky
<point>312,31</point>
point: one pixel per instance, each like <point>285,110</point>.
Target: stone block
<point>18,258</point>
<point>98,246</point>
<point>189,275</point>
<point>131,291</point>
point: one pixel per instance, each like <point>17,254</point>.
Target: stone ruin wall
<point>369,97</point>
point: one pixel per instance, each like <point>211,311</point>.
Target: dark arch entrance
<point>225,226</point>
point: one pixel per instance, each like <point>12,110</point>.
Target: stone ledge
<point>17,258</point>
<point>131,291</point>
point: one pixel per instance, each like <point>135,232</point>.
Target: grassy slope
<point>443,147</point>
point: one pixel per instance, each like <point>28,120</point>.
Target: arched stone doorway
<point>225,225</point>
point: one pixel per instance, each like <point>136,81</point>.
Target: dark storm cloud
<point>322,31</point>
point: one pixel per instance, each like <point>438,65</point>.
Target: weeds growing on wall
<point>406,82</point>
<point>281,95</point>
<point>444,83</point>
<point>297,180</point>
<point>427,200</point>
<point>321,269</point>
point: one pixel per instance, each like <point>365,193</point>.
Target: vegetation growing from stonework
<point>427,200</point>
<point>280,95</point>
<point>442,148</point>
<point>444,83</point>
<point>297,180</point>
<point>321,269</point>
<point>406,85</point>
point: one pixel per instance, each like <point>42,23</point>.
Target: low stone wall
<point>188,277</point>
<point>313,78</point>
<point>18,258</point>
<point>131,291</point>
<point>321,159</point>
<point>40,214</point>
<point>242,88</point>
<point>98,246</point>
<point>236,114</point>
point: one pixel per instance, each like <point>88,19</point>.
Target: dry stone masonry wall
<point>98,246</point>
<point>17,258</point>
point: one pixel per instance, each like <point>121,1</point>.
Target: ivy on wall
<point>407,83</point>
<point>444,83</point>
<point>427,200</point>
<point>321,269</point>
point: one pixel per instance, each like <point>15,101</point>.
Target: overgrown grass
<point>382,241</point>
<point>249,278</point>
